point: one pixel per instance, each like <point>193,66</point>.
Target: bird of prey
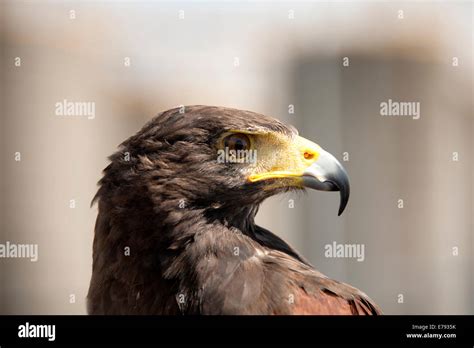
<point>175,232</point>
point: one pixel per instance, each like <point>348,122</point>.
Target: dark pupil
<point>236,143</point>
<point>239,144</point>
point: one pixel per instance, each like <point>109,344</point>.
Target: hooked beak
<point>327,174</point>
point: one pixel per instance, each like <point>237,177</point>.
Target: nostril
<point>308,155</point>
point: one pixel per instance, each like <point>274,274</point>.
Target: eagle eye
<point>237,142</point>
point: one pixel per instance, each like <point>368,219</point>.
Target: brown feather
<point>182,259</point>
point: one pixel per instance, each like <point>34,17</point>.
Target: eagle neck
<point>241,218</point>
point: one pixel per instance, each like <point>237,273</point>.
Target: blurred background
<point>282,59</point>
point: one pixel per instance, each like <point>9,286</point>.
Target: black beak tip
<point>344,199</point>
<point>341,184</point>
<point>342,206</point>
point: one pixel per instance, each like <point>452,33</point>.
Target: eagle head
<point>221,160</point>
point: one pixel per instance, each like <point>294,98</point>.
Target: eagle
<point>176,233</point>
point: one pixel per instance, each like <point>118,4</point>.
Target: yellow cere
<point>280,156</point>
